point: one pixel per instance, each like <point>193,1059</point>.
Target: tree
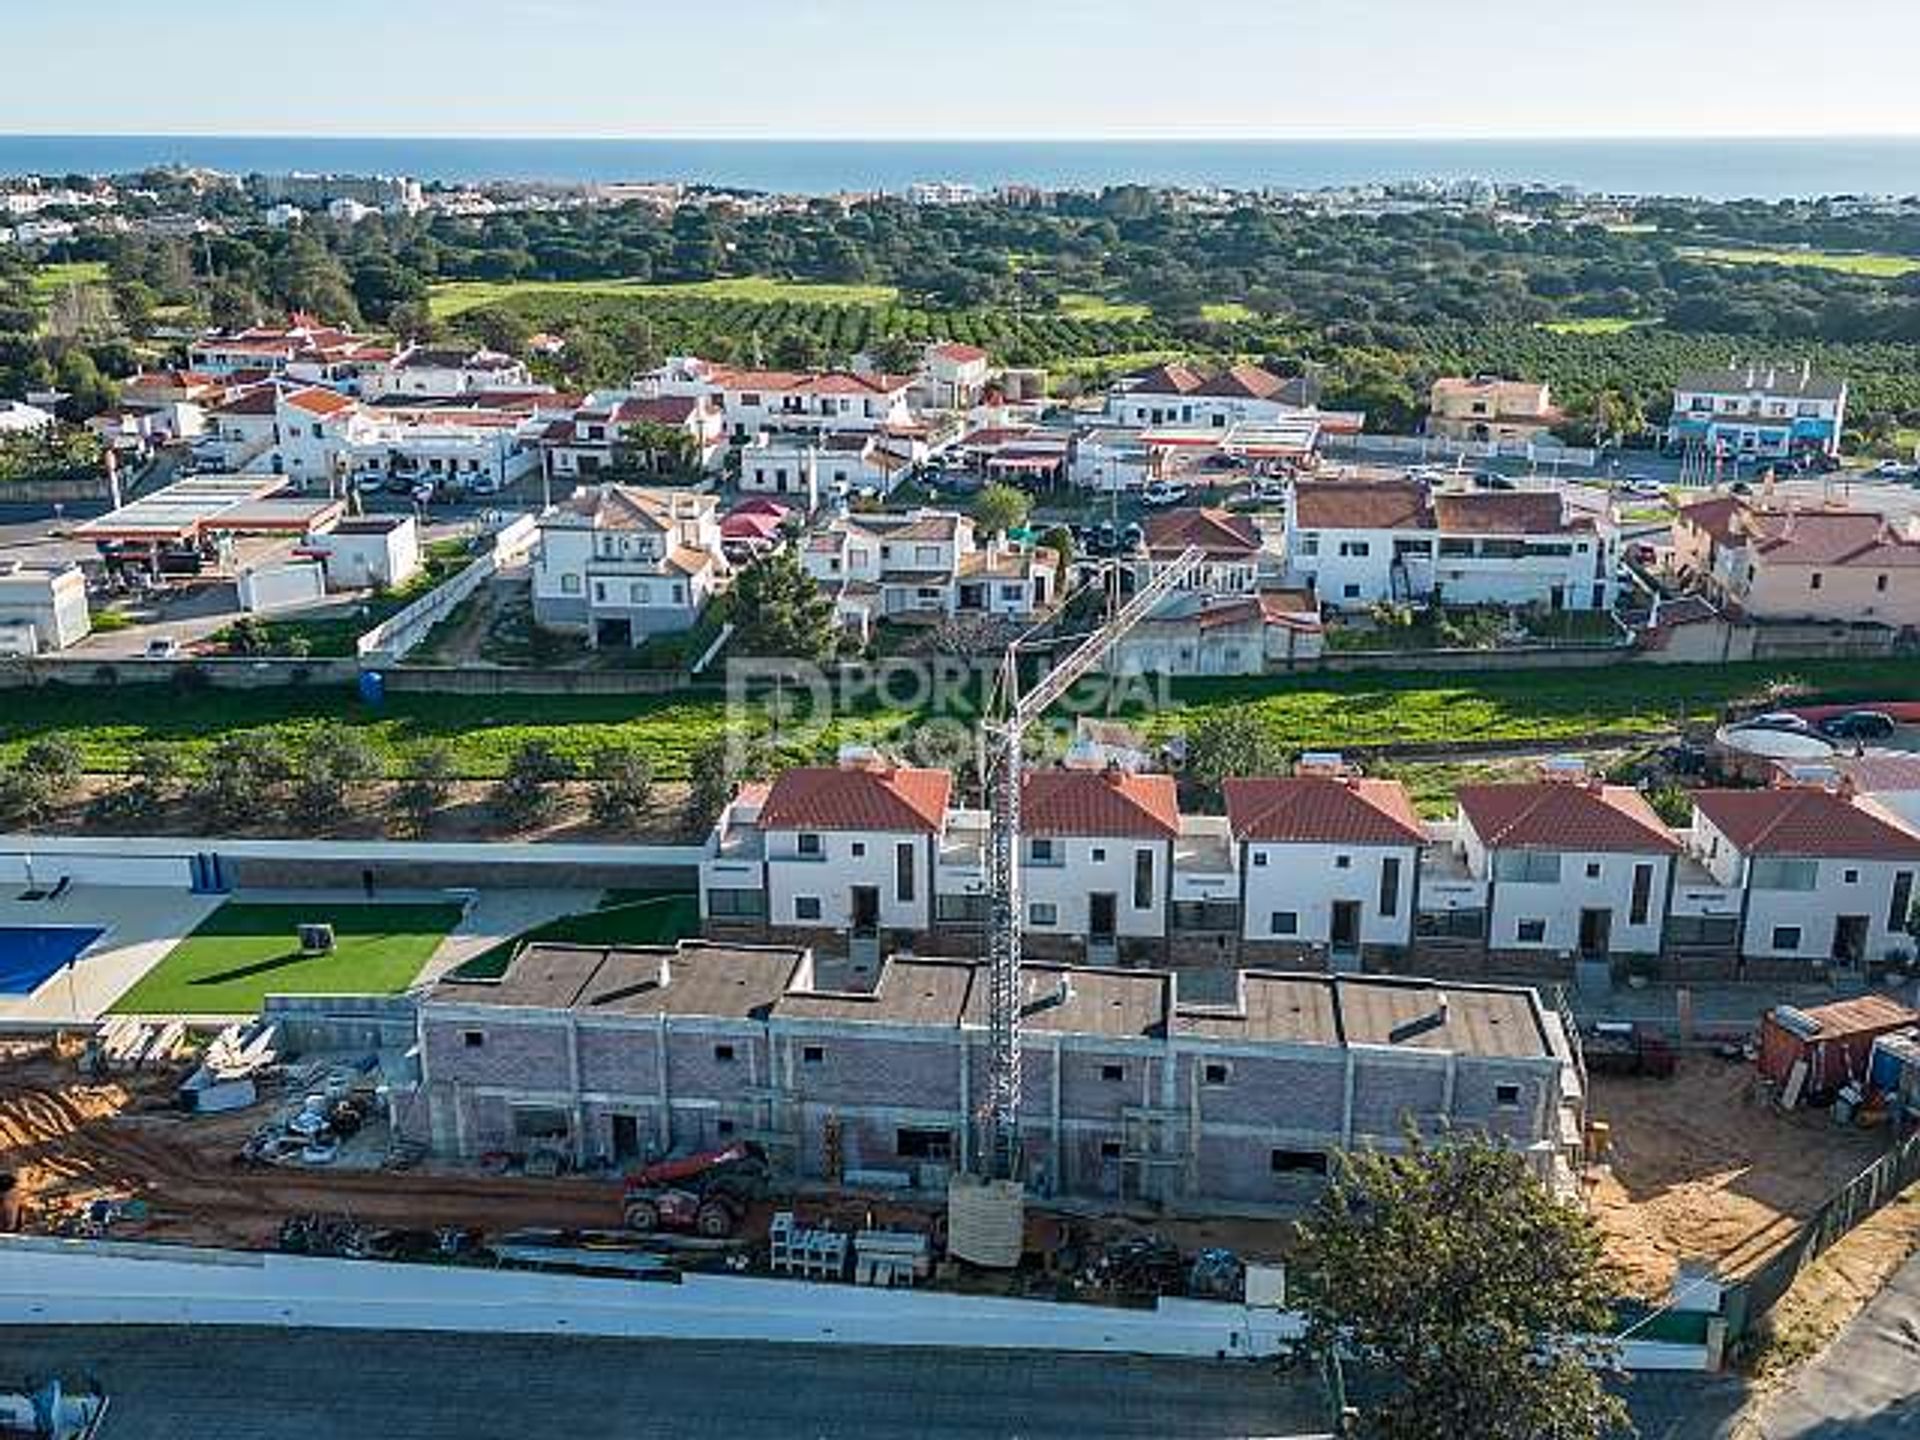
<point>1231,741</point>
<point>425,786</point>
<point>154,773</point>
<point>717,769</point>
<point>1000,508</point>
<point>334,764</point>
<point>1453,1272</point>
<point>1060,540</point>
<point>622,787</point>
<point>242,776</point>
<point>529,793</point>
<point>779,610</point>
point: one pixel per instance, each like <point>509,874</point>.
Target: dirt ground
<point>1703,1167</point>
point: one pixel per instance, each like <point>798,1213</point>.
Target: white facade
<point>813,877</point>
<point>375,552</point>
<point>42,607</point>
<point>1111,460</point>
<point>1588,882</point>
<point>755,401</point>
<point>619,564</point>
<point>435,373</point>
<point>1060,877</point>
<point>1292,889</point>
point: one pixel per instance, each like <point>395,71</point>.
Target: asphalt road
<point>302,1385</point>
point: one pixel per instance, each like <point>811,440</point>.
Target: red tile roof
<point>1361,505</point>
<point>958,353</point>
<point>1100,803</point>
<point>1220,534</point>
<point>321,402</point>
<point>1174,379</point>
<point>1242,382</point>
<point>1322,809</point>
<point>1714,515</point>
<point>857,798</point>
<point>1801,821</point>
<point>1564,815</point>
<point>657,409</point>
<point>1819,537</point>
<point>1515,512</point>
<point>818,382</point>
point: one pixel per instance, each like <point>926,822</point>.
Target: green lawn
<point>1097,307</point>
<point>1227,312</point>
<point>1595,325</point>
<point>626,917</point>
<point>455,297</point>
<point>47,280</point>
<point>1878,267</point>
<point>242,953</point>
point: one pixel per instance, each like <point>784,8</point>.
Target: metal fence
<point>1747,1301</point>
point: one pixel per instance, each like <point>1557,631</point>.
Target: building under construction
<point>1129,1093</point>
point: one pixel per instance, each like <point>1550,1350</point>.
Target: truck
<point>705,1194</point>
<point>1627,1047</point>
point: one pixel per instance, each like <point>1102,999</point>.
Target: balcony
<point>1204,861</point>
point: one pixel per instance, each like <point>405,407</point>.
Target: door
<point>1596,932</point>
<point>866,909</point>
<point>626,1138</point>
<point>1345,932</point>
<point>1102,910</point>
<point>1850,939</point>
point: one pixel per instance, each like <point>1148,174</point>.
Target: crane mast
<point>997,1154</point>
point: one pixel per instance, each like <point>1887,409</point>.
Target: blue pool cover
<point>30,953</point>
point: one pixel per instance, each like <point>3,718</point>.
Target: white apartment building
<point>597,436</point>
<point>618,564</point>
<point>1357,543</point>
<point>1828,877</point>
<point>925,565</point>
<point>1759,411</point>
<point>810,471</point>
<point>819,402</point>
<point>1096,861</point>
<point>423,372</point>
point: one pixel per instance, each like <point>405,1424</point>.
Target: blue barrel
<point>373,688</point>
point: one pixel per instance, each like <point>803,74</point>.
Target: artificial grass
<point>625,917</point>
<point>244,952</point>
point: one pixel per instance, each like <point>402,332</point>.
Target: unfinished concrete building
<point>1131,1093</point>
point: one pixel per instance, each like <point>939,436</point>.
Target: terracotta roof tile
<point>1316,809</point>
<point>1564,815</point>
<point>1361,505</point>
<point>1515,512</point>
<point>1220,534</point>
<point>857,798</point>
<point>1799,821</point>
<point>1101,803</point>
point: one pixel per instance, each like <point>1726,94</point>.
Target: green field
<point>628,918</point>
<point>48,280</point>
<point>455,297</point>
<point>1413,708</point>
<point>1595,325</point>
<point>242,953</point>
<point>1098,307</point>
<point>1878,267</point>
<point>1227,312</point>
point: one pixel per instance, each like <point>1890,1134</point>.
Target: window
<point>806,907</point>
<point>1343,862</point>
<point>723,1054</point>
<point>1284,922</point>
<point>1772,873</point>
<point>1880,582</point>
<point>1349,592</point>
<point>1260,859</point>
<point>1450,924</point>
<point>859,848</point>
<point>1040,850</point>
<point>1786,937</point>
<point>1109,1149</point>
<point>1355,549</point>
<point>736,904</point>
<point>1530,932</point>
<point>723,1128</point>
<point>1043,913</point>
<point>1216,1072</point>
<point>569,584</point>
<point>1390,886</point>
<point>1642,900</point>
<point>1813,582</point>
<point>1099,854</point>
<point>1703,929</point>
<point>812,1054</point>
<point>1310,544</point>
<point>1507,1097</point>
<point>1593,870</point>
<point>1850,877</point>
<point>1113,1074</point>
<point>903,872</point>
<point>911,1144</point>
<point>600,590</point>
<point>1143,879</point>
<point>1527,867</point>
<point>960,909</point>
<point>809,843</point>
<point>1298,1162</point>
<point>473,1039</point>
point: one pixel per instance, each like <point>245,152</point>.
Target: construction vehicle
<point>1624,1047</point>
<point>705,1194</point>
<point>51,1413</point>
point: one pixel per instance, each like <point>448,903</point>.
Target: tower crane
<point>997,1155</point>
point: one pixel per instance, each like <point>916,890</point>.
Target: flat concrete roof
<point>187,508</point>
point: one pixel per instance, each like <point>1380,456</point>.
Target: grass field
<point>1878,267</point>
<point>50,279</point>
<point>242,953</point>
<point>1227,312</point>
<point>455,297</point>
<point>1098,307</point>
<point>1414,708</point>
<point>628,918</point>
<point>1595,325</point>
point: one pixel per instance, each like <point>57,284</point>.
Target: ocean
<point>1714,169</point>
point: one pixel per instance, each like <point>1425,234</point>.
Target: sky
<point>917,69</point>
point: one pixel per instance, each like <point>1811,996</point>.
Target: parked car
<point>1132,538</point>
<point>1492,480</point>
<point>1784,721</point>
<point>1161,493</point>
<point>163,647</point>
<point>1894,470</point>
<point>1858,725</point>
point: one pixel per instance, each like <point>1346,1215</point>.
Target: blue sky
<point>912,68</point>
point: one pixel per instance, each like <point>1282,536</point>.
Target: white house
<point>1330,861</point>
<point>1239,555</point>
<point>439,372</point>
<point>1195,633</point>
<point>1829,878</point>
<point>42,607</point>
<point>1357,543</point>
<point>584,444</point>
<point>809,470</point>
<point>820,402</point>
<point>367,552</point>
<point>926,565</point>
<point>467,448</point>
<point>954,376</point>
<point>1096,862</point>
<point>1759,412</point>
<point>844,850</point>
<point>1179,395</point>
<point>17,418</point>
<point>619,564</point>
<point>304,349</point>
<point>1109,459</point>
<point>243,429</point>
<point>1571,867</point>
<point>316,431</point>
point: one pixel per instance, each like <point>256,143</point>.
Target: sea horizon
<point>1716,168</point>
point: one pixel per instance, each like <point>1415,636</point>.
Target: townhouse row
<point>1132,1092</point>
<point>1324,869</point>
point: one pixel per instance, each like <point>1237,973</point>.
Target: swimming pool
<point>30,953</point>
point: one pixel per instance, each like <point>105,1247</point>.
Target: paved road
<point>265,1385</point>
<point>1866,1385</point>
